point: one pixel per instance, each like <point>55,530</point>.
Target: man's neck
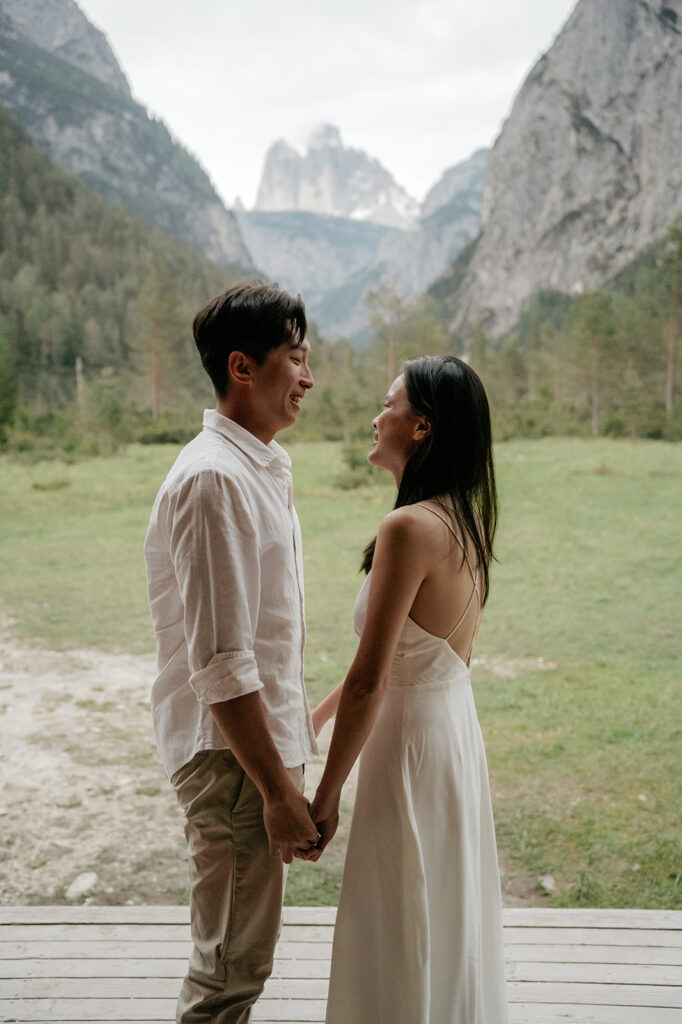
<point>239,413</point>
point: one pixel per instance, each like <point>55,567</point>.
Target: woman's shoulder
<point>417,523</point>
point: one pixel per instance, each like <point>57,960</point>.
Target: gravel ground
<point>86,812</point>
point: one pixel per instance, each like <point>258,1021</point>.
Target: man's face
<point>279,386</point>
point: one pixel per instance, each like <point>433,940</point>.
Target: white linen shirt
<point>225,584</point>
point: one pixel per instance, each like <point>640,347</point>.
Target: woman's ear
<point>239,367</point>
<point>422,430</point>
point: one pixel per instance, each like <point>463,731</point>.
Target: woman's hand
<point>326,818</point>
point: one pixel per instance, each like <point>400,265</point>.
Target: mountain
<point>333,179</point>
<point>93,301</point>
<point>63,30</point>
<point>336,261</point>
<point>587,169</point>
<point>59,77</point>
<point>450,217</point>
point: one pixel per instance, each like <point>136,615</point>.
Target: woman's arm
<point>399,566</point>
<point>326,709</point>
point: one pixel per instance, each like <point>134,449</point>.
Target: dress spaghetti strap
<point>474,579</point>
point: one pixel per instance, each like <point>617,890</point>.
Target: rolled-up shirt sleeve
<point>215,554</point>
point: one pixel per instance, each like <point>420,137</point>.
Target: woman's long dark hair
<point>454,464</point>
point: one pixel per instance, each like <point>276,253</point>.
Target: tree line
<point>96,347</point>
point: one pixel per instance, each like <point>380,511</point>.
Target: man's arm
<point>285,810</point>
<point>217,564</point>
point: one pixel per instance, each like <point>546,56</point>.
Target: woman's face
<point>397,431</point>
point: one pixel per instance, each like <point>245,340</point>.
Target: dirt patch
<point>86,812</point>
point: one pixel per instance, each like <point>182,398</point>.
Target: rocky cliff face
<point>335,261</point>
<point>450,218</point>
<point>61,80</point>
<point>61,28</point>
<point>587,169</point>
<point>332,179</point>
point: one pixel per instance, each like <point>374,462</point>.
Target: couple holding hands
<point>418,937</point>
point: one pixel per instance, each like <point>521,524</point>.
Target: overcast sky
<point>419,84</point>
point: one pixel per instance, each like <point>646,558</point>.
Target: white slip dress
<point>418,937</point>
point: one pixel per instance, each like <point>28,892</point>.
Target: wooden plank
<point>56,1010</point>
<point>103,949</point>
<point>538,1013</point>
<point>529,953</point>
<point>512,916</point>
<point>140,915</point>
<point>591,936</point>
<point>146,978</point>
<point>560,917</point>
<point>95,915</point>
<point>52,1011</point>
<point>550,1013</point>
<point>139,968</point>
<point>138,932</point>
<point>141,988</point>
<point>148,950</point>
<point>323,933</point>
<point>607,995</point>
<point>307,950</point>
<point>607,974</point>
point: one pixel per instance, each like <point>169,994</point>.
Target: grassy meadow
<point>578,664</point>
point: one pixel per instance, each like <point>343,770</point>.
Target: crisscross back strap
<point>474,579</point>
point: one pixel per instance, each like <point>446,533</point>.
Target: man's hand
<point>326,821</point>
<point>289,826</point>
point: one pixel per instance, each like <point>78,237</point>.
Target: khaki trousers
<point>236,889</point>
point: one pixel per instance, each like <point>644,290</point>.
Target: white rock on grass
<point>547,883</point>
<point>81,885</point>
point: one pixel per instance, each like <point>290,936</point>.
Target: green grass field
<point>578,681</point>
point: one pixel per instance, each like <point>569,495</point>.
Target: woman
<point>418,938</point>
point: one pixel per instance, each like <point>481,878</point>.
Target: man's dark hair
<point>250,317</point>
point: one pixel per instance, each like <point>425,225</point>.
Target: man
<point>225,580</point>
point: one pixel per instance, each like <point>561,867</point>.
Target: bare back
<point>449,600</point>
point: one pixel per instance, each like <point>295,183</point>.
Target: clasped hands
<point>298,828</point>
<point>326,821</point>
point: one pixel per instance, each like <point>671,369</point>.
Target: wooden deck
<point>123,964</point>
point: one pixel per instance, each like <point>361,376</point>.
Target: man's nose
<point>308,380</point>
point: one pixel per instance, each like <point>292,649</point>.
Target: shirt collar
<point>272,454</point>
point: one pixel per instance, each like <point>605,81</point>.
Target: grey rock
<point>61,28</point>
<point>81,885</point>
<point>336,261</point>
<point>333,179</point>
<point>463,181</point>
<point>94,129</point>
<point>587,169</point>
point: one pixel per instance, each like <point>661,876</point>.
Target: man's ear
<point>240,367</point>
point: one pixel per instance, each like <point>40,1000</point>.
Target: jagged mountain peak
<point>325,136</point>
<point>333,179</point>
<point>61,28</point>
